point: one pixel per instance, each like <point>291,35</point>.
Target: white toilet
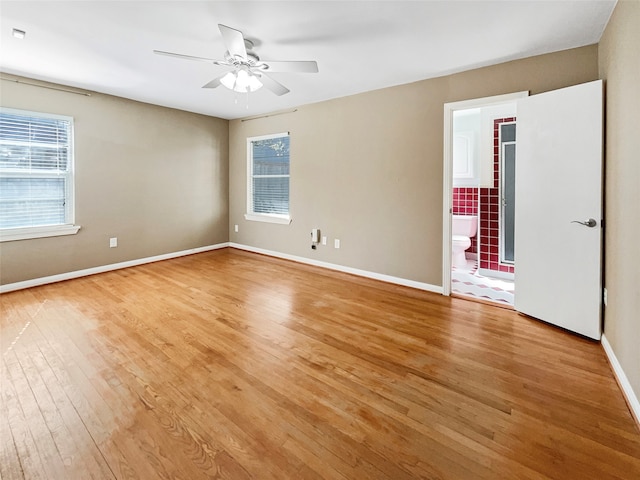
<point>463,227</point>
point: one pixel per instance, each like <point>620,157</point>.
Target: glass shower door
<point>507,191</point>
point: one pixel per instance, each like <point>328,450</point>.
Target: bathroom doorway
<point>479,181</point>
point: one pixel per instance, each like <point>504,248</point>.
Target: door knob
<point>589,223</point>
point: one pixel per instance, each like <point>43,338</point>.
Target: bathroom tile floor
<point>466,281</point>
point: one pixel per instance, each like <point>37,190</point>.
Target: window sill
<point>11,234</point>
<point>256,217</point>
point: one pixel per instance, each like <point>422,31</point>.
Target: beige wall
<point>619,58</point>
<point>155,178</point>
<point>367,169</point>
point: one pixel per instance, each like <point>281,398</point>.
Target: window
<point>36,175</point>
<point>268,178</point>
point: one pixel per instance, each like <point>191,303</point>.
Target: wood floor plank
<point>34,440</point>
<point>233,365</point>
<point>345,414</point>
<point>75,427</point>
<point>10,465</point>
<point>59,418</point>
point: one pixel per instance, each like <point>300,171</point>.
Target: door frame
<point>447,171</point>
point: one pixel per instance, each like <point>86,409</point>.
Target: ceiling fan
<point>249,72</point>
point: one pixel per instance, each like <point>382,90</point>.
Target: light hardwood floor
<point>233,365</point>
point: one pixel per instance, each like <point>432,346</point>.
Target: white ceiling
<point>106,46</point>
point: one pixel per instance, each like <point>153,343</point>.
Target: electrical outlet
<point>324,240</point>
<point>235,228</point>
<point>604,297</point>
<point>113,242</point>
<point>336,243</point>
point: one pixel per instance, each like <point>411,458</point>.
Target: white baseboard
<point>10,287</point>
<point>625,386</point>
<point>340,268</point>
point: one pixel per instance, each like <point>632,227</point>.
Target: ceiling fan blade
<point>273,85</point>
<point>185,57</point>
<point>297,67</point>
<point>214,83</point>
<point>234,41</point>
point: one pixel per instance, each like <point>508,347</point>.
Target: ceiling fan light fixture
<point>241,81</point>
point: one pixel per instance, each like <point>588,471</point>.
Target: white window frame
<point>67,228</point>
<point>264,217</point>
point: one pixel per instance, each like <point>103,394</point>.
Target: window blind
<point>270,175</point>
<point>35,169</point>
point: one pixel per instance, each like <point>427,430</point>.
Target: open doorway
<point>479,161</point>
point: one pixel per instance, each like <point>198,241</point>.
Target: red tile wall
<point>489,206</point>
<point>465,202</point>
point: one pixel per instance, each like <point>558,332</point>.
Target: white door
<point>559,178</point>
